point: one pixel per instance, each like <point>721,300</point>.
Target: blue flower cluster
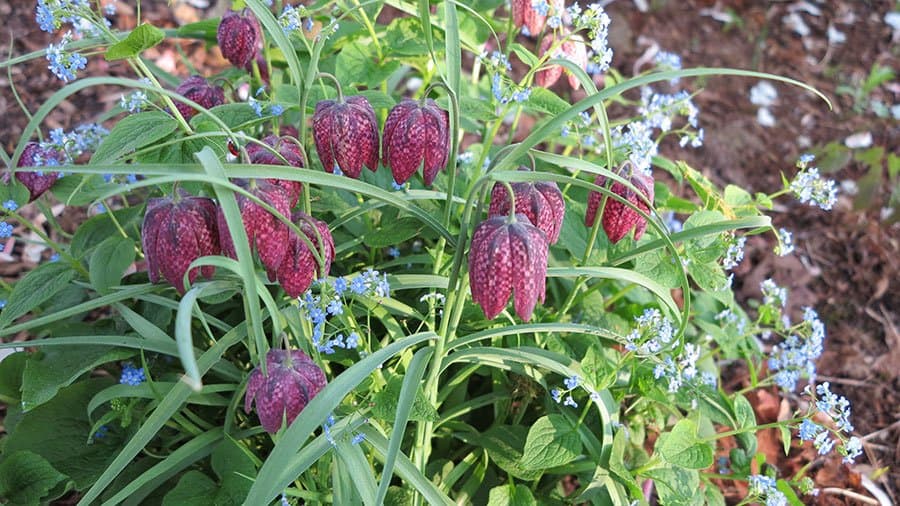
<point>502,88</point>
<point>6,230</point>
<point>85,138</point>
<point>652,332</point>
<point>796,356</point>
<point>132,375</point>
<point>773,295</point>
<point>735,253</point>
<point>596,22</point>
<point>666,61</point>
<point>766,488</point>
<point>809,188</point>
<point>292,18</point>
<point>837,409</point>
<point>564,395</point>
<point>330,302</point>
<point>326,429</point>
<point>63,63</point>
<point>785,243</point>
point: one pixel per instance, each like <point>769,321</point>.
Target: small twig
<point>852,495</point>
<point>845,381</point>
<point>873,489</point>
<point>881,431</point>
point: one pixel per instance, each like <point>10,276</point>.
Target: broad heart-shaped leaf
<point>230,114</point>
<point>544,100</point>
<point>394,232</point>
<point>134,132</point>
<point>711,278</point>
<point>707,248</point>
<point>235,469</point>
<point>193,489</point>
<point>95,230</point>
<point>141,38</point>
<point>11,368</point>
<point>552,441</point>
<point>27,478</point>
<point>504,444</point>
<point>356,64</point>
<point>683,448</point>
<point>14,190</point>
<point>58,366</point>
<point>58,431</point>
<point>660,266</point>
<point>677,486</point>
<point>511,495</point>
<point>35,288</point>
<point>386,403</point>
<point>109,262</point>
<point>746,419</point>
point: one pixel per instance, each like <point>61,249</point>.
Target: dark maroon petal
<point>556,203</point>
<point>286,390</point>
<point>542,203</point>
<point>174,234</point>
<point>490,266</point>
<point>322,127</point>
<point>287,149</point>
<point>529,254</point>
<point>367,130</point>
<point>548,75</point>
<point>279,391</point>
<point>41,180</point>
<point>254,384</point>
<point>594,199</point>
<point>300,267</point>
<point>346,144</point>
<point>240,37</point>
<point>197,89</point>
<point>437,144</point>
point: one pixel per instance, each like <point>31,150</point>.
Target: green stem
<point>50,242</point>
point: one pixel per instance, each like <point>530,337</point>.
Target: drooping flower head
<point>416,133</point>
<point>300,266</point>
<point>346,135</point>
<point>240,37</point>
<point>293,380</point>
<point>290,151</point>
<point>532,14</point>
<point>573,49</point>
<point>268,235</point>
<point>619,219</point>
<point>175,233</point>
<point>540,201</point>
<point>38,181</point>
<point>198,89</point>
<point>508,257</point>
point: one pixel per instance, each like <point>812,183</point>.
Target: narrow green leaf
<point>141,38</point>
<point>279,468</point>
<point>409,395</point>
<point>170,404</point>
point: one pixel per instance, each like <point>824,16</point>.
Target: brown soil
<point>846,263</point>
